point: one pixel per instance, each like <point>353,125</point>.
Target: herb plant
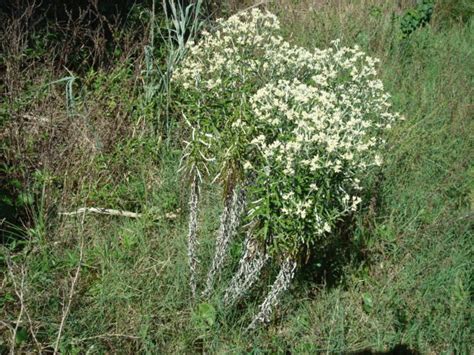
<point>299,129</point>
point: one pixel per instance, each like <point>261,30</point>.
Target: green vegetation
<point>417,17</point>
<point>399,271</point>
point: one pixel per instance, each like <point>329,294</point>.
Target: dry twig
<point>105,336</point>
<point>106,211</point>
<point>73,285</point>
<point>20,292</point>
<point>20,295</point>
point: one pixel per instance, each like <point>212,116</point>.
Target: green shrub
<point>301,127</point>
<point>417,17</point>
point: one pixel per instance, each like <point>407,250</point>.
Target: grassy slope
<point>410,284</point>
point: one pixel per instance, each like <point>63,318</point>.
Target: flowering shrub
<point>315,140</point>
<point>225,68</point>
<point>302,127</point>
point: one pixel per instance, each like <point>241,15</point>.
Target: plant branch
<point>20,295</point>
<point>99,210</point>
<point>67,308</point>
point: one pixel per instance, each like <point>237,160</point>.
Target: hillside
<point>91,117</point>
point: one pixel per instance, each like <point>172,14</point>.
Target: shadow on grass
<point>400,349</point>
<point>329,262</point>
<point>348,247</point>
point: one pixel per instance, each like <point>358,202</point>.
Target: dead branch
<point>105,336</point>
<point>105,211</point>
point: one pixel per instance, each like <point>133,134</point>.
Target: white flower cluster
<point>242,54</point>
<point>225,59</point>
<point>319,136</point>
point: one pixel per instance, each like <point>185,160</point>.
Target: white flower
<point>378,160</point>
<point>247,165</point>
<point>238,124</point>
<point>355,201</point>
<point>171,215</point>
<point>326,227</point>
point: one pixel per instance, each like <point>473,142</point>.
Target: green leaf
<point>205,315</point>
<point>7,201</point>
<point>21,336</point>
<point>367,303</point>
<point>7,297</point>
<point>25,199</point>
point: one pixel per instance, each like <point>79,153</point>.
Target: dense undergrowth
<point>398,272</point>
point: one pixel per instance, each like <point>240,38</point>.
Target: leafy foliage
<point>301,123</point>
<point>417,17</point>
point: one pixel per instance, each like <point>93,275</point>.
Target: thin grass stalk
<point>281,284</point>
<point>234,205</point>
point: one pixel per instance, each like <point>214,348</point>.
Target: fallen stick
<point>106,211</point>
<point>105,336</point>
